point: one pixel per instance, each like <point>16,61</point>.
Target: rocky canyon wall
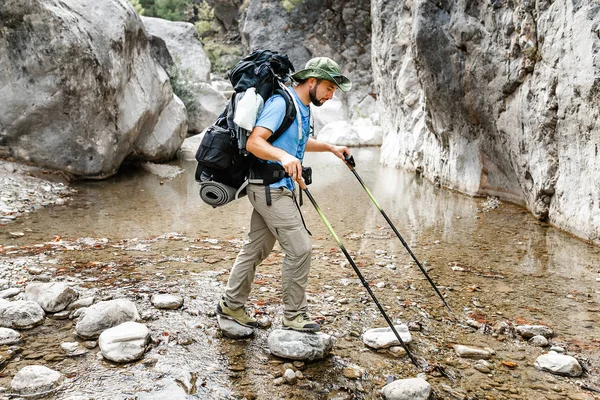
<point>495,98</point>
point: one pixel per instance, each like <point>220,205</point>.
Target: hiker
<point>276,214</point>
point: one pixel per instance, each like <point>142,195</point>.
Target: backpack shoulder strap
<point>290,114</point>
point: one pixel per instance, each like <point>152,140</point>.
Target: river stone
<point>21,314</point>
<point>382,338</point>
<point>232,329</point>
<point>9,336</point>
<point>166,301</point>
<point>301,346</point>
<point>125,342</point>
<point>407,389</point>
<point>52,297</point>
<point>471,352</point>
<point>558,364</point>
<point>81,303</point>
<point>10,292</point>
<point>529,331</point>
<point>538,341</point>
<point>104,315</point>
<point>36,380</point>
<point>73,349</point>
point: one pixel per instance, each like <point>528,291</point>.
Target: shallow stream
<point>138,233</point>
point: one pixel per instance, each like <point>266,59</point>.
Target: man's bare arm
<point>314,145</point>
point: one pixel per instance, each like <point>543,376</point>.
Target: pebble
<point>538,341</point>
<point>471,352</point>
<point>290,376</point>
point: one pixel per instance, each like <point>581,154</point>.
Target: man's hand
<point>339,151</point>
<point>292,166</point>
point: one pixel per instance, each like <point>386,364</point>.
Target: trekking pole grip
<point>349,161</point>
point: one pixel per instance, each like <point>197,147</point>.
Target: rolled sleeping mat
<point>217,194</point>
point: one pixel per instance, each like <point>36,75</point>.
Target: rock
<point>52,297</point>
<point>11,292</point>
<point>407,389</point>
<point>558,364</point>
<point>94,115</point>
<point>183,43</point>
<point>73,349</point>
<point>483,366</point>
<point>187,151</point>
<point>166,301</point>
<point>302,346</point>
<point>343,133</point>
<point>125,342</point>
<point>471,352</point>
<point>81,303</point>
<point>9,336</point>
<point>290,376</point>
<point>382,338</point>
<point>21,314</point>
<point>104,315</point>
<point>538,341</point>
<point>36,380</point>
<point>232,329</point>
<point>353,372</point>
<point>529,331</point>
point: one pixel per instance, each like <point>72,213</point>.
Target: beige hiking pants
<point>282,222</point>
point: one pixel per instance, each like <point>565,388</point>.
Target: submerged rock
<point>125,342</point>
<point>105,315</point>
<point>52,297</point>
<point>538,341</point>
<point>21,314</point>
<point>558,364</point>
<point>36,380</point>
<point>233,330</point>
<point>382,338</point>
<point>166,301</point>
<point>73,349</point>
<point>407,389</point>
<point>299,345</point>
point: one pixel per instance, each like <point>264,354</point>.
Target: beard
<point>313,97</point>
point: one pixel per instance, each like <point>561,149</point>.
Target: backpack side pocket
<point>217,148</point>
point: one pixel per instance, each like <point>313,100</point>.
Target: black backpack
<point>222,156</point>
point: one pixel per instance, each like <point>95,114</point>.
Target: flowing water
<point>138,233</point>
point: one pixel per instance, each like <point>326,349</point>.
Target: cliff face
<point>495,98</point>
<point>337,29</point>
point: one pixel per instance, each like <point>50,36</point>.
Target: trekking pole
<point>362,279</point>
<point>351,164</point>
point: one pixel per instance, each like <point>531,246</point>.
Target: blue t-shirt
<point>271,118</point>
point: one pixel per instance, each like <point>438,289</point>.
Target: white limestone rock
<point>52,297</point>
<point>232,329</point>
<point>301,346</point>
<point>382,338</point>
<point>558,364</point>
<point>166,301</point>
<point>125,342</point>
<point>529,331</point>
<point>471,352</point>
<point>21,314</point>
<point>407,389</point>
<point>36,380</point>
<point>104,315</point>
<point>9,336</point>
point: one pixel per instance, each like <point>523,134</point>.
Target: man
<point>281,219</point>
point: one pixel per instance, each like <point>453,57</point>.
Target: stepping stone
<point>232,329</point>
<point>301,346</point>
<point>383,338</point>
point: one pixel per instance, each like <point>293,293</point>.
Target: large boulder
<point>183,43</point>
<point>21,314</point>
<point>79,88</point>
<point>36,381</point>
<point>495,98</point>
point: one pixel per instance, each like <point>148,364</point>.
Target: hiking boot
<point>240,315</point>
<point>302,323</point>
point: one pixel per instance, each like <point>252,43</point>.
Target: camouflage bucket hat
<point>324,68</point>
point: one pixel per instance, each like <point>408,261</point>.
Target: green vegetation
<point>138,7</point>
<point>173,10</point>
<point>222,56</point>
<point>182,81</point>
<point>289,5</point>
